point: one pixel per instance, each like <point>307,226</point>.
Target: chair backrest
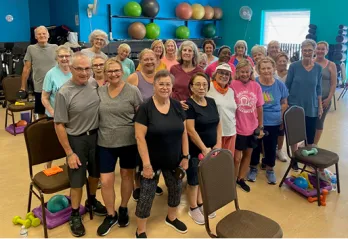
<point>11,85</point>
<point>42,142</point>
<point>295,125</point>
<point>217,180</point>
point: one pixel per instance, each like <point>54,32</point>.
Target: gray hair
<point>40,27</point>
<point>273,42</point>
<point>96,33</point>
<point>243,43</point>
<point>309,42</point>
<point>202,56</point>
<point>124,46</point>
<point>78,56</point>
<point>64,48</point>
<point>258,49</point>
<point>163,73</point>
<point>194,49</point>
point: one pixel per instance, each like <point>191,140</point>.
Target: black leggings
<point>311,126</point>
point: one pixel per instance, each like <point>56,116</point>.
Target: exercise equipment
<point>182,32</point>
<point>137,30</point>
<point>197,11</point>
<point>301,182</point>
<point>343,27</point>
<point>209,30</point>
<point>18,220</point>
<point>21,123</point>
<point>307,153</point>
<point>339,56</point>
<point>150,8</point>
<point>22,94</point>
<point>57,203</point>
<point>183,11</point>
<point>217,13</point>
<point>53,170</point>
<point>322,198</point>
<point>152,31</point>
<point>132,9</point>
<point>208,12</point>
<point>342,39</point>
<point>34,220</point>
<point>340,47</point>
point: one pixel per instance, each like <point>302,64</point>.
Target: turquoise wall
<point>327,15</point>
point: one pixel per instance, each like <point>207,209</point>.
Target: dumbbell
<point>18,220</point>
<point>34,220</point>
<point>257,132</point>
<point>22,94</point>
<point>307,153</point>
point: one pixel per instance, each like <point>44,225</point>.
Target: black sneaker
<point>98,208</point>
<point>123,219</point>
<point>107,224</point>
<point>159,191</point>
<point>177,225</point>
<point>136,194</point>
<point>243,185</point>
<point>295,167</point>
<point>76,227</point>
<point>142,235</point>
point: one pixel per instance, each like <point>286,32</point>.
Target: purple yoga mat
<point>19,130</point>
<point>308,193</point>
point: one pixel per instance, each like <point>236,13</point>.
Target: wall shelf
<point>175,39</point>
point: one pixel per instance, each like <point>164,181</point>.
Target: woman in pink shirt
<point>170,57</point>
<point>249,117</point>
<point>224,55</point>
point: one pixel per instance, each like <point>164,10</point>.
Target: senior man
<point>76,123</point>
<point>40,58</point>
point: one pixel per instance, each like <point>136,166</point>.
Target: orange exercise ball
<point>183,11</point>
<point>217,13</point>
<point>137,30</point>
<point>209,12</point>
<point>197,11</point>
<point>21,123</point>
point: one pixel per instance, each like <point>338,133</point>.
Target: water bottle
<point>334,183</point>
<point>23,232</point>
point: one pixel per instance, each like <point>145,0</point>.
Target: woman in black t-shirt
<point>205,133</point>
<point>163,146</point>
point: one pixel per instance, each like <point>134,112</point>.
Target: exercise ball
<point>137,30</point>
<point>183,11</point>
<point>57,203</point>
<point>217,13</point>
<point>208,12</point>
<point>182,32</point>
<point>209,30</point>
<point>152,31</point>
<point>132,9</point>
<point>197,11</point>
<point>150,8</point>
<point>301,182</point>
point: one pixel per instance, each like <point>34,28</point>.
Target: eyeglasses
<point>80,69</point>
<point>98,65</point>
<point>224,73</point>
<point>198,85</point>
<point>165,85</point>
<point>110,72</point>
<point>64,56</point>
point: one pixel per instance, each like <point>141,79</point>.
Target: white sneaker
<point>211,216</point>
<point>281,156</point>
<point>197,216</point>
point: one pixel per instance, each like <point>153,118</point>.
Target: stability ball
<point>301,182</point>
<point>57,203</point>
<point>209,30</point>
<point>183,11</point>
<point>152,31</point>
<point>150,8</point>
<point>197,11</point>
<point>217,13</point>
<point>182,32</point>
<point>137,30</point>
<point>209,12</point>
<point>132,9</point>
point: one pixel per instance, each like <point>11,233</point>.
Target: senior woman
<point>209,48</point>
<point>162,142</point>
<point>273,49</point>
<point>183,72</point>
<point>281,60</point>
<point>202,60</point>
<point>119,102</point>
<point>159,50</point>
<point>240,53</point>
<point>170,58</point>
<point>257,52</point>
<point>98,70</point>
<point>275,96</point>
<point>304,82</point>
<point>98,40</point>
<point>204,130</point>
<point>224,55</point>
<point>224,99</point>
<point>128,66</point>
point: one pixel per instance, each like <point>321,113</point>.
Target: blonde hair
<point>273,42</point>
<point>264,60</point>
<point>243,63</point>
<point>202,56</point>
<point>145,51</point>
<point>324,43</point>
<point>258,49</point>
<point>194,49</point>
<point>96,33</point>
<point>175,46</point>
<point>63,48</point>
<point>282,54</point>
<point>110,61</point>
<point>243,43</point>
<point>124,46</point>
<point>159,42</point>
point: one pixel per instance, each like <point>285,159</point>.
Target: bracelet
<point>69,155</point>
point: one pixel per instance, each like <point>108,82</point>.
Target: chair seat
<point>323,159</point>
<point>19,108</point>
<point>247,224</point>
<point>54,183</point>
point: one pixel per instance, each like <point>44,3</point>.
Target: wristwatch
<point>260,127</point>
<point>188,157</point>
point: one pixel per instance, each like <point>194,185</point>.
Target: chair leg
<point>341,95</point>
<point>303,169</point>
<point>318,186</point>
<point>334,100</point>
<point>30,196</point>
<point>90,209</point>
<point>44,223</point>
<point>31,116</point>
<point>286,174</point>
<point>6,118</point>
<point>338,179</point>
<point>14,125</point>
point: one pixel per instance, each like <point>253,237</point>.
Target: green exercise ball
<point>57,203</point>
<point>182,32</point>
<point>152,31</point>
<point>132,9</point>
<point>209,30</point>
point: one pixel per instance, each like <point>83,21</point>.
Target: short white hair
<point>64,48</point>
<point>124,46</point>
<point>96,33</point>
<point>77,56</point>
<point>257,49</point>
<point>309,42</point>
<point>40,27</point>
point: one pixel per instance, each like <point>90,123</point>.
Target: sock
<point>75,212</point>
<point>199,204</point>
<point>92,199</point>
<point>193,208</point>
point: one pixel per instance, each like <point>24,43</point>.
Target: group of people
<point>158,118</point>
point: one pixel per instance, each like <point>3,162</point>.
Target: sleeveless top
<point>145,88</point>
<point>326,81</point>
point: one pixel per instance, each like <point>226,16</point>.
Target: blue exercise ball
<point>301,182</point>
<point>57,203</point>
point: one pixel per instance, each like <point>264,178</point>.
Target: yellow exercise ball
<point>197,11</point>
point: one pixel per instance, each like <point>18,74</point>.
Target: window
<point>284,26</point>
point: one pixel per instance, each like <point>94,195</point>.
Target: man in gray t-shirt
<point>76,122</point>
<point>40,58</point>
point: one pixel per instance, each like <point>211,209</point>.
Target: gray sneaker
<point>252,174</point>
<point>271,177</point>
<point>196,216</point>
<point>211,216</point>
